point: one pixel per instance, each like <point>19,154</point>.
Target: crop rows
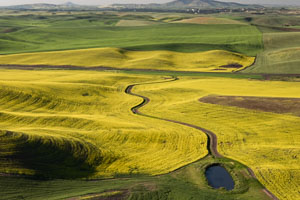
<point>83,124</point>
<point>211,61</point>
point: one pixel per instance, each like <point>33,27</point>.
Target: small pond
<point>218,177</point>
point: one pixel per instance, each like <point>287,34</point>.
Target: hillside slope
<point>267,142</point>
<point>216,60</point>
<point>202,4</point>
<point>281,55</point>
<point>189,4</point>
<point>70,124</point>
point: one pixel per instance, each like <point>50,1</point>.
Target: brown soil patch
<point>267,104</point>
<point>135,23</point>
<point>287,77</point>
<point>289,29</point>
<point>119,196</point>
<point>9,30</point>
<point>234,65</point>
<point>197,20</point>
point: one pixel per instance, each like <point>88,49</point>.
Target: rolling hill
<point>202,3</point>
<point>188,4</point>
<point>177,4</point>
<point>48,6</point>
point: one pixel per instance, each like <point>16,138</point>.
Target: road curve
<point>265,190</point>
<point>212,140</point>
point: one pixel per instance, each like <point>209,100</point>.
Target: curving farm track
<point>212,140</point>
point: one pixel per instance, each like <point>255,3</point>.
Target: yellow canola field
<point>209,20</point>
<point>268,143</point>
<point>52,121</point>
<point>209,61</point>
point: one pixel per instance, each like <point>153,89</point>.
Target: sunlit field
<point>36,33</point>
<point>138,105</point>
<point>210,61</point>
<point>265,141</point>
<point>79,124</point>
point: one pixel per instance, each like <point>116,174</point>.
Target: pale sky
<point>106,2</point>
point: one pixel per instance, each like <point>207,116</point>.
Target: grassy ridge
<point>281,54</point>
<point>120,59</point>
<point>266,142</point>
<point>32,34</point>
<point>83,123</point>
<point>281,40</point>
<point>275,23</point>
<point>186,183</point>
<point>135,23</point>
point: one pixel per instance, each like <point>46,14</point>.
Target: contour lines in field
<point>209,61</point>
<point>82,122</point>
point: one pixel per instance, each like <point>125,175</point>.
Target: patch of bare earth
<point>109,195</point>
<point>9,30</point>
<point>234,65</point>
<point>287,77</point>
<point>266,104</point>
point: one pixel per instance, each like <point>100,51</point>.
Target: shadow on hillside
<point>50,157</point>
<point>196,47</point>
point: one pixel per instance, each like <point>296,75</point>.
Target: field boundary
<point>128,70</point>
<point>237,74</point>
<point>243,69</point>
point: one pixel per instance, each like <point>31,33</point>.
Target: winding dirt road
<point>212,140</point>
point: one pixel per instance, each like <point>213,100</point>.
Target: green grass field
<point>19,34</point>
<point>281,39</point>
<point>281,54</point>
<point>275,23</point>
<point>170,186</point>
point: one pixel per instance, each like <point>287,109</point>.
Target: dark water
<point>218,177</point>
